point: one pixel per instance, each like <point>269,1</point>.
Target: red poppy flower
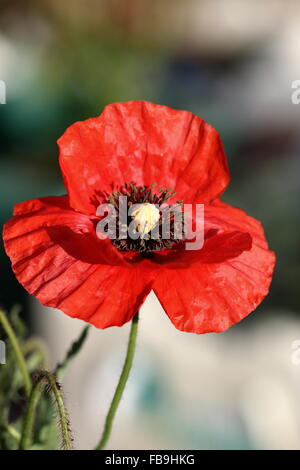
<point>57,256</point>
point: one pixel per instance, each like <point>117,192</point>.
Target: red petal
<point>217,248</point>
<point>57,257</point>
<point>143,143</point>
<point>215,293</point>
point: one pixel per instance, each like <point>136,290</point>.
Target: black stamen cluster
<point>146,194</point>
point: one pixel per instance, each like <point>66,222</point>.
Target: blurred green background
<point>231,62</point>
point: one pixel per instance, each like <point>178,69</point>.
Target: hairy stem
<point>17,350</point>
<point>62,412</point>
<point>49,379</point>
<point>121,385</point>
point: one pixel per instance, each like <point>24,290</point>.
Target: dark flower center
<point>157,224</point>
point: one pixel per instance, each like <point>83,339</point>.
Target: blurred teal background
<point>231,62</point>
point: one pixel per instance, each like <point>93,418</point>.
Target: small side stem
<point>11,431</point>
<point>17,350</point>
<point>75,348</point>
<point>121,385</point>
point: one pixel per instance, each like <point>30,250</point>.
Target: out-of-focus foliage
<point>12,398</point>
<point>13,401</point>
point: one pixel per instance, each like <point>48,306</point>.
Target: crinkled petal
<point>57,257</point>
<point>143,143</point>
<point>217,248</point>
<point>206,294</point>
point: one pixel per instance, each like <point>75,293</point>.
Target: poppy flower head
<point>147,158</point>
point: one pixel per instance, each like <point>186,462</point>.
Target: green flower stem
<point>63,414</point>
<point>30,415</point>
<point>121,385</point>
<point>29,418</point>
<point>17,350</point>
